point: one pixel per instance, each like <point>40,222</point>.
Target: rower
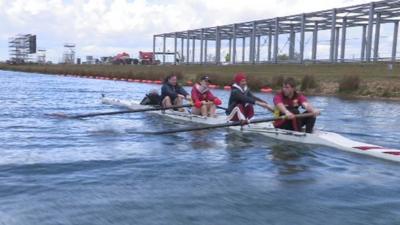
<point>204,101</point>
<point>241,101</point>
<point>172,94</point>
<point>287,103</point>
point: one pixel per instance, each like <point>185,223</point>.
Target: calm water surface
<point>93,171</point>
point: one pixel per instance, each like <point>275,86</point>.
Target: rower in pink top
<point>204,101</point>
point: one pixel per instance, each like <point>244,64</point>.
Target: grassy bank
<point>355,80</point>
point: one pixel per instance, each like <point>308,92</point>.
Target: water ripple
<point>95,171</point>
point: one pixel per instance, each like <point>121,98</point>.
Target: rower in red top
<point>241,101</point>
<point>204,101</point>
<point>287,102</point>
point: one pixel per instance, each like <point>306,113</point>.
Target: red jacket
<point>200,93</point>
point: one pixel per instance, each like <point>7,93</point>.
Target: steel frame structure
<point>368,16</point>
<point>19,48</point>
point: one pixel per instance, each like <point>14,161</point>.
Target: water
<point>93,171</point>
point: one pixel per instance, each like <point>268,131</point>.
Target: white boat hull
<point>322,138</point>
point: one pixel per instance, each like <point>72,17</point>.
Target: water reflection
<point>288,159</point>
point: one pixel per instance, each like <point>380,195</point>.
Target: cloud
<point>104,27</point>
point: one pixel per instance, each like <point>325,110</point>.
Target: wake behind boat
<point>267,129</point>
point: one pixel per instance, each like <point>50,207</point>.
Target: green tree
<point>227,57</point>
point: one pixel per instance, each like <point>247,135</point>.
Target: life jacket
<point>202,93</point>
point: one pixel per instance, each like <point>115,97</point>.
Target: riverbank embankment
<point>373,80</point>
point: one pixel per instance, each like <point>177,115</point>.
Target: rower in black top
<point>241,100</point>
<point>172,94</point>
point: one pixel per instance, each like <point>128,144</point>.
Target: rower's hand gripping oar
<point>270,108</point>
<point>221,125</point>
<point>119,112</point>
<point>217,106</point>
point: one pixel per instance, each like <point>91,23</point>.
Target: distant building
<point>21,46</point>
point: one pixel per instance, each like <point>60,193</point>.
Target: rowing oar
<point>223,108</point>
<point>119,112</point>
<point>221,125</point>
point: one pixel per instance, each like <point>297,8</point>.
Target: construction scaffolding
<point>21,46</point>
<point>368,17</point>
<point>69,53</point>
<point>41,56</point>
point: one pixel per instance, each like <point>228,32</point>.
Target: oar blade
<point>58,115</point>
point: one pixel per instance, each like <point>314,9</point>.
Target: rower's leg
<point>287,125</point>
<point>309,122</point>
<point>166,102</point>
<point>178,102</point>
<point>211,110</point>
<point>196,111</point>
<point>236,114</point>
<point>249,111</point>
<point>204,109</point>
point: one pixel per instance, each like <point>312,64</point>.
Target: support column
<point>205,51</point>
<point>370,29</point>
<point>333,29</point>
<point>258,49</point>
<point>363,42</point>
<point>270,44</point>
<point>314,43</point>
<point>276,40</point>
<point>302,33</point>
<point>201,46</point>
<point>164,47</point>
<point>182,59</point>
<point>343,45</point>
<point>292,40</point>
<point>217,46</point>
<point>243,48</point>
<point>234,45</point>
<point>230,50</point>
<point>188,48</point>
<point>377,34</point>
<point>337,35</point>
<point>252,44</point>
<point>154,45</point>
<point>394,46</point>
<point>175,47</point>
<point>193,49</point>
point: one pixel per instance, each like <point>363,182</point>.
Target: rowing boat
<point>322,138</point>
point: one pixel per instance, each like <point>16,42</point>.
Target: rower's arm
<point>265,105</point>
<point>309,108</point>
<point>182,91</point>
<point>238,96</point>
<point>282,108</point>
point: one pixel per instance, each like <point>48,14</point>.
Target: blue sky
<point>107,27</point>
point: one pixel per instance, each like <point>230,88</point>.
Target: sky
<point>107,27</point>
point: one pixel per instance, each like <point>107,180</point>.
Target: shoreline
<point>374,81</point>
